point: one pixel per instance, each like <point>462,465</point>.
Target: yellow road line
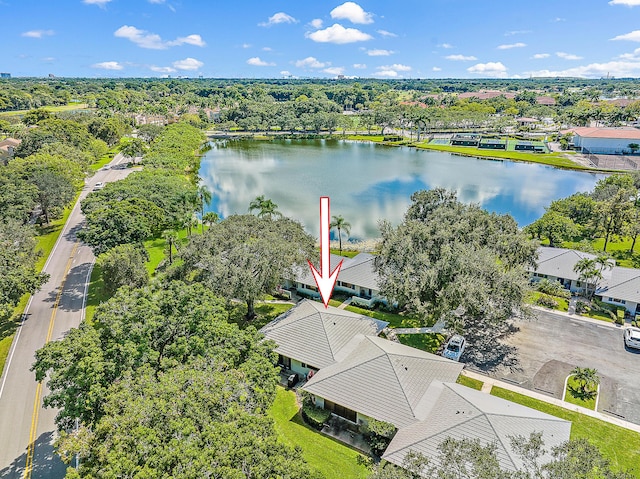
<point>36,403</point>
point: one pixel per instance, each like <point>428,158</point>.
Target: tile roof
<point>616,133</point>
<point>357,270</point>
<point>460,412</point>
<point>10,142</point>
<point>313,334</point>
<point>624,283</point>
<point>382,379</point>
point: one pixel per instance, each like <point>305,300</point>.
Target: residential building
<point>310,337</point>
<point>612,141</point>
<point>357,278</point>
<point>380,379</point>
<point>5,75</point>
<point>454,411</point>
<point>7,148</point>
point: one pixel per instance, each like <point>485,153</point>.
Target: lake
<point>368,182</point>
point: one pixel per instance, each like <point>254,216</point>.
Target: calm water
<point>367,182</point>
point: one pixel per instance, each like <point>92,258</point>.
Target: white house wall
<point>604,145</point>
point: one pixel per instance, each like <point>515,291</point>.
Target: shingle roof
<point>313,334</point>
<point>382,379</point>
<point>459,412</point>
<point>559,262</point>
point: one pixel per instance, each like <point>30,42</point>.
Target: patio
<point>347,433</point>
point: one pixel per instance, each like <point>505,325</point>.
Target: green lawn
<point>470,382</point>
<point>553,159</point>
<point>621,446</point>
<point>95,293</point>
<point>345,253</point>
<point>573,395</point>
<point>108,156</point>
<point>46,237</point>
<point>374,138</point>
<point>331,458</point>
<point>395,320</point>
<point>52,109</point>
<point>426,342</point>
<point>563,303</point>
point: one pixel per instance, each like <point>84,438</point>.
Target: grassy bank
<point>327,456</point>
<point>52,109</point>
<point>621,446</point>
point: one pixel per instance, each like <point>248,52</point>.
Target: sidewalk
<point>489,382</point>
<point>582,318</point>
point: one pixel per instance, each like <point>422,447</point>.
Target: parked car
<point>98,186</point>
<point>632,337</point>
<point>455,347</point>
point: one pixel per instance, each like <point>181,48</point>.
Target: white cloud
<point>628,3</point>
<point>633,36</point>
<point>336,33</point>
<point>108,65</point>
<point>267,49</point>
<point>511,45</point>
<point>38,33</point>
<point>359,66</point>
<point>334,70</point>
<point>188,64</point>
<point>385,33</point>
<point>386,73</point>
<point>461,58</point>
<point>379,53</point>
<point>436,69</point>
<point>568,56</point>
<point>257,62</point>
<point>316,23</point>
<point>246,45</point>
<point>353,12</point>
<point>558,19</point>
<point>631,56</point>
<point>285,73</point>
<point>516,32</point>
<point>397,67</point>
<point>153,41</point>
<point>540,56</point>
<point>157,1</point>
<point>100,3</point>
<point>619,69</point>
<point>276,18</point>
<point>489,69</point>
<point>445,45</point>
<point>162,69</point>
<point>311,62</point>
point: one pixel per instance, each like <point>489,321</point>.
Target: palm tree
<point>204,198</point>
<point>210,218</point>
<point>171,237</point>
<point>590,271</point>
<point>265,207</point>
<point>588,379</point>
<point>340,224</point>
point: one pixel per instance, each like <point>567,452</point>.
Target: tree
<point>590,272</point>
<point>265,207</point>
<point>204,198</point>
<point>458,263</point>
<point>339,223</point>
<point>554,227</point>
<point>33,117</point>
<point>18,273</point>
<point>134,148</point>
<point>125,222</point>
<point>171,237</point>
<point>634,147</point>
<point>149,132</point>
<point>244,256</point>
<point>210,218</point>
<point>123,265</point>
<point>588,379</point>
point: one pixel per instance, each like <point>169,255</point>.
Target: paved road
<point>26,428</point>
<point>551,346</point>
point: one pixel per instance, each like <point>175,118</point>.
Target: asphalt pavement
<point>549,347</point>
<point>27,430</point>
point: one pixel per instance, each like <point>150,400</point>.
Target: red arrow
<point>325,281</point>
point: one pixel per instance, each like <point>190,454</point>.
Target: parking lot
<point>550,346</point>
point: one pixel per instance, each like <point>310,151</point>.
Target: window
<point>339,410</point>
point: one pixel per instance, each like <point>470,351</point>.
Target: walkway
<point>586,319</point>
<point>437,328</point>
<point>490,382</point>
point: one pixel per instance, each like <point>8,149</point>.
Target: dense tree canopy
<point>244,257</point>
<point>459,263</point>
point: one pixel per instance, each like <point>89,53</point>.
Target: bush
<point>620,317</point>
<point>582,307</point>
<point>314,416</point>
<point>553,288</point>
<point>547,301</point>
<point>378,435</point>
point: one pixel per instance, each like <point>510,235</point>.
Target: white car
<point>455,347</point>
<point>98,186</point>
<point>632,337</point>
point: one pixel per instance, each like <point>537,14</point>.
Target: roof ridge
<point>413,413</point>
<point>316,380</point>
<point>507,449</point>
<point>621,283</point>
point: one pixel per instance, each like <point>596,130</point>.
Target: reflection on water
<point>368,182</point>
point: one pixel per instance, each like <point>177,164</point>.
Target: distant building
<point>604,141</point>
<point>7,148</point>
<point>5,75</point>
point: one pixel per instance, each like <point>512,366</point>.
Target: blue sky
<point>321,38</point>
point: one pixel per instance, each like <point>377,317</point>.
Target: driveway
<point>549,347</point>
